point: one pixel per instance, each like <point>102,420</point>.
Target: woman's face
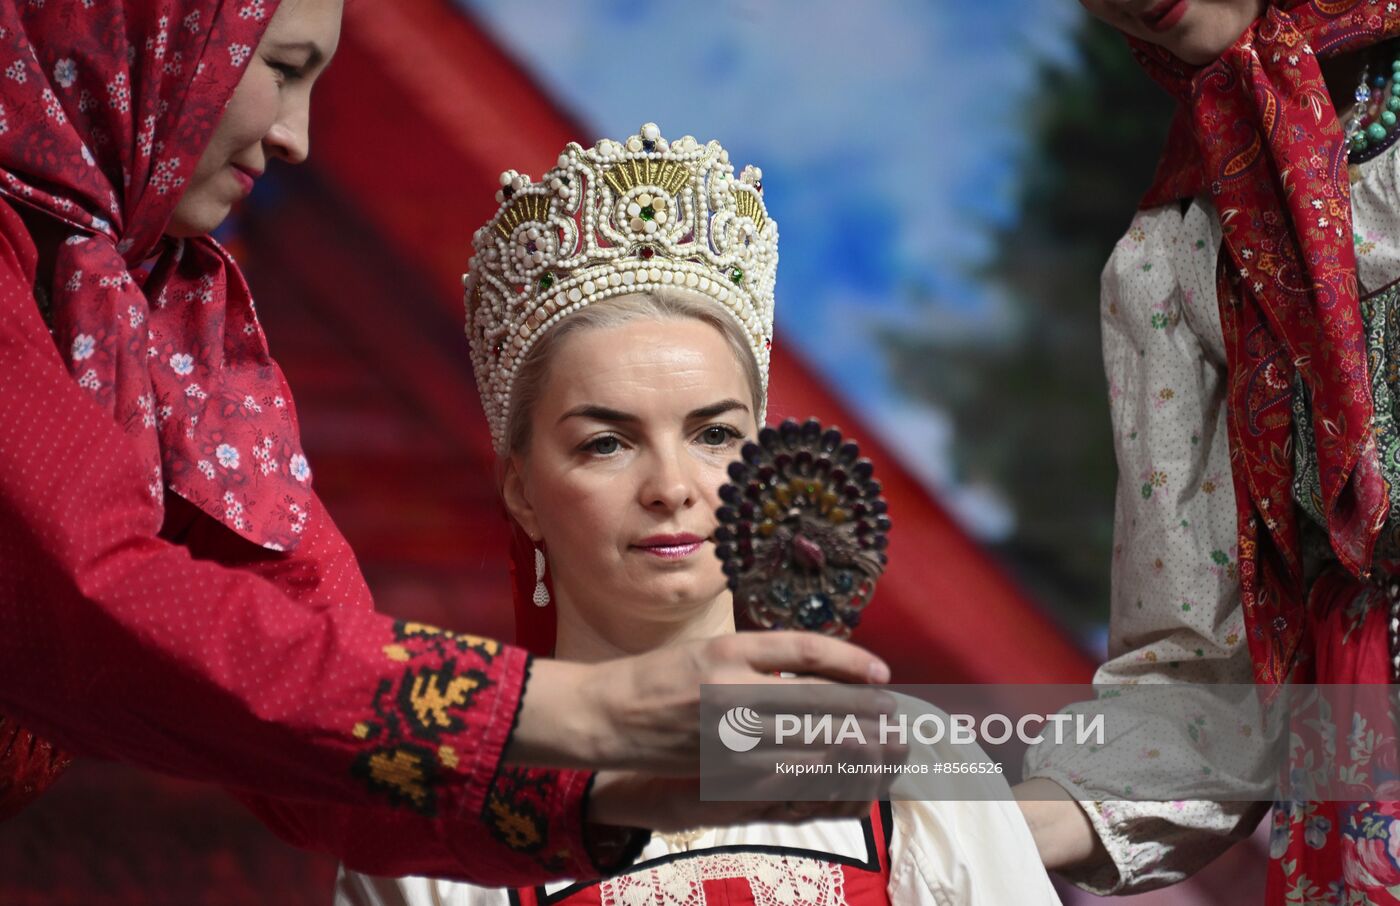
<point>633,431</point>
<point>1196,31</point>
<point>267,115</point>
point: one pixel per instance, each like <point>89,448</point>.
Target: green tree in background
<point>1031,408</point>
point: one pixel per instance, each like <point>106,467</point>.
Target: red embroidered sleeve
<point>378,736</point>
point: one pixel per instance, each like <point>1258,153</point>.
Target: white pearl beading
<point>575,238</point>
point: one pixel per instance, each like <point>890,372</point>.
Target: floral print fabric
<point>1176,611</point>
<point>1265,143</point>
<point>105,109</point>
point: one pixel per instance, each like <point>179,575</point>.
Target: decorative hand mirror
<point>802,530</point>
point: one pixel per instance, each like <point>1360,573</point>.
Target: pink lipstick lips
<point>245,177</point>
<point>670,547</point>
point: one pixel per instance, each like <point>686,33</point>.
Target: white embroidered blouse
<point>1175,612</point>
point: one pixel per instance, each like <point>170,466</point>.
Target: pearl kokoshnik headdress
<point>618,218</point>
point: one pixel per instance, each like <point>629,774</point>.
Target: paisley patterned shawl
<point>105,109</point>
<point>1257,130</point>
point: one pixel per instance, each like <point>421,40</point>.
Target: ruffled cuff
<point>1103,879</point>
<point>1152,844</point>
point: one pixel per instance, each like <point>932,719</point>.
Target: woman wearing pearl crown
<point>620,316</point>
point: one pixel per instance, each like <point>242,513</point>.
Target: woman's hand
<point>1059,825</point>
<point>643,712</point>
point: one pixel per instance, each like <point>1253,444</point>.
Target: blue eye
<point>603,446</point>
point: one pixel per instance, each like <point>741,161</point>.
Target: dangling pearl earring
<point>541,597</point>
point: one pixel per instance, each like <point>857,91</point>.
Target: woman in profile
<point>620,314</point>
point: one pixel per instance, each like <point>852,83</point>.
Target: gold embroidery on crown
<point>667,174</point>
<point>749,205</point>
<point>644,215</point>
<point>523,208</point>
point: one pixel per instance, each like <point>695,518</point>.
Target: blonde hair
<point>614,312</point>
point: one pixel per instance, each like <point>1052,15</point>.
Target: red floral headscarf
<point>1256,128</point>
<point>105,109</point>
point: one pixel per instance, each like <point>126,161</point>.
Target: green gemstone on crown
<point>648,212</point>
<point>546,281</point>
<point>736,276</point>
